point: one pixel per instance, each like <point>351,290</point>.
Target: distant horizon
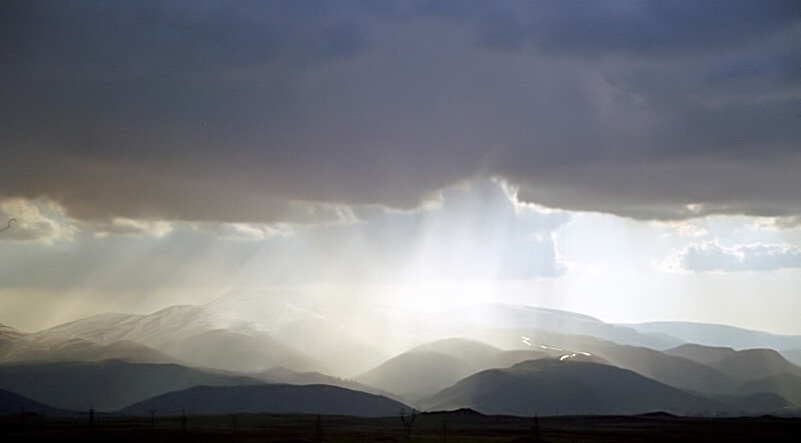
<point>411,308</point>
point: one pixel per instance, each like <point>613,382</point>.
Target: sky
<point>630,160</point>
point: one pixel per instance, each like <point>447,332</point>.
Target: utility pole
<point>318,429</point>
<point>183,423</point>
<point>408,418</point>
<point>92,420</point>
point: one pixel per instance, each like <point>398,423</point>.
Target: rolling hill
<point>15,404</point>
<point>276,399</point>
<point>107,385</point>
<point>672,370</point>
<point>552,387</point>
<point>436,365</point>
<point>291,377</point>
<point>786,385</point>
<point>413,375</point>
<point>744,365</point>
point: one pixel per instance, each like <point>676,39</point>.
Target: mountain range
<point>252,351</point>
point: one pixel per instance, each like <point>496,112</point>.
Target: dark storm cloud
<point>652,28</point>
<point>238,111</point>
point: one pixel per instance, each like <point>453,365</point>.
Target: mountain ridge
<point>549,387</point>
<point>268,398</point>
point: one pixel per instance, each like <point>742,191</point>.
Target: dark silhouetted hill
<point>277,399</point>
<point>552,387</point>
<point>672,370</point>
<point>14,404</point>
<point>291,377</point>
<point>436,365</point>
<point>107,385</point>
<point>675,371</point>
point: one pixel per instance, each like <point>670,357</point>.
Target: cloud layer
<point>250,112</point>
<point>473,232</point>
<point>711,256</point>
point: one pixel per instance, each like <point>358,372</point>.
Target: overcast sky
<point>632,160</point>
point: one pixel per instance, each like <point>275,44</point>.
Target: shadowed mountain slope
<point>436,365</point>
<point>189,334</point>
<point>551,387</point>
<point>75,349</point>
<point>107,385</point>
<point>702,354</point>
<point>322,330</point>
<point>277,399</point>
<point>744,365</point>
<point>155,330</point>
<point>9,334</point>
<point>675,371</point>
<point>253,329</point>
<point>786,385</point>
<point>413,375</point>
<point>290,377</point>
<point>15,404</point>
<point>234,351</point>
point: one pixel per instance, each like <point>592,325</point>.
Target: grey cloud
<point>711,256</point>
<point>791,222</point>
<point>588,27</point>
<point>242,231</point>
<point>672,189</point>
<point>131,227</point>
<point>476,233</point>
<point>238,111</point>
<point>34,221</point>
<point>657,28</point>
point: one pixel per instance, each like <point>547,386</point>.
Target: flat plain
<point>451,427</point>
